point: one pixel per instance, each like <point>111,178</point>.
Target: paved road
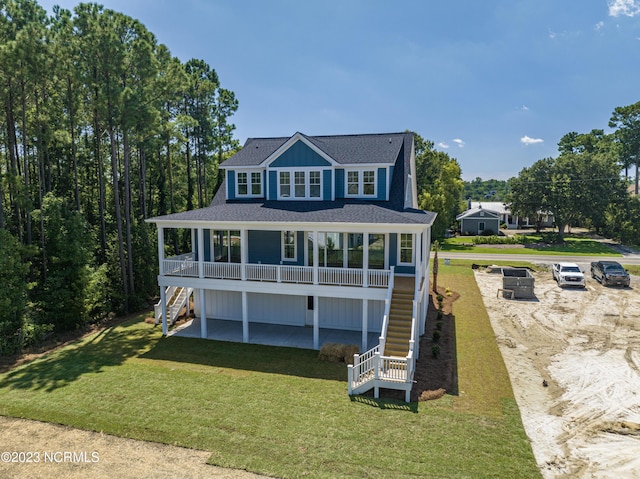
<point>535,258</point>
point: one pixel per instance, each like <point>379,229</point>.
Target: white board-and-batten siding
<point>334,313</point>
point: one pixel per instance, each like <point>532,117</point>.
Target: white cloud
<point>552,35</point>
<point>530,141</point>
<point>598,26</point>
<point>458,142</point>
<point>443,145</point>
<point>629,8</point>
<point>524,108</point>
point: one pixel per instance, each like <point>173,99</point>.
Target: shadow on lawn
<point>249,357</point>
<point>110,347</point>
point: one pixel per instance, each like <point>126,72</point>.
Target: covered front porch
<point>271,334</point>
<point>342,257</point>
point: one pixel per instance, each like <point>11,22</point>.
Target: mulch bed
<point>434,376</point>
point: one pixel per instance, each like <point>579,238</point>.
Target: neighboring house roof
<point>343,149</point>
<point>497,206</point>
<point>475,213</point>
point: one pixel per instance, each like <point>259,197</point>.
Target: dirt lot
<point>584,344</point>
<point>96,455</point>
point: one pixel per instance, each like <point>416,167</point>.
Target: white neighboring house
<point>512,221</point>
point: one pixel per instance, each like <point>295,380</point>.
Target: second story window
<point>361,183</point>
<point>285,184</point>
<point>314,184</point>
<point>249,183</point>
<point>300,184</point>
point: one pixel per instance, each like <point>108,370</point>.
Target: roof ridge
<point>327,136</point>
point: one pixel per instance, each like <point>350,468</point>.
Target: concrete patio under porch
<point>271,334</point>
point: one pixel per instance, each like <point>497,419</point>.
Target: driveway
<point>573,356</point>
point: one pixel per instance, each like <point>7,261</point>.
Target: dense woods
<point>100,128</point>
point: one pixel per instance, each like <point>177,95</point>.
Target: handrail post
<point>350,378</point>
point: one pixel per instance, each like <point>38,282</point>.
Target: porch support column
<point>243,254</point>
<point>161,249</point>
<point>245,318</point>
<point>163,302</point>
<point>193,239</point>
<point>365,325</point>
<point>365,260</point>
<point>316,322</point>
<point>201,252</point>
<point>316,258</point>
<point>203,314</point>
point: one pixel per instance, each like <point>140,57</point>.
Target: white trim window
<point>289,250</point>
<point>361,183</point>
<point>284,190</point>
<point>306,184</point>
<point>249,184</point>
<point>405,248</point>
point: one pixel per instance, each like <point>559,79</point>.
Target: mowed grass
<point>533,244</point>
<point>280,411</point>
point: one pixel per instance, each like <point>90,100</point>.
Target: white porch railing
<point>373,370</point>
<point>180,267</point>
<point>186,266</point>
<point>222,270</point>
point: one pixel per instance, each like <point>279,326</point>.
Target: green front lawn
<point>280,411</point>
<point>532,244</point>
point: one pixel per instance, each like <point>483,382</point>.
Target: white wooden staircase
<point>391,363</point>
<point>177,298</point>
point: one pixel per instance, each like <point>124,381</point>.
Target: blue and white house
<point>315,232</point>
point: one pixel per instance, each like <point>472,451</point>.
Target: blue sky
<point>494,83</point>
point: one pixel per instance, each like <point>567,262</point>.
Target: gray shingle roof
<point>392,148</point>
<point>339,211</point>
<point>344,149</point>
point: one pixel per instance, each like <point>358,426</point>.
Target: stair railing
<point>157,308</point>
<point>387,311</point>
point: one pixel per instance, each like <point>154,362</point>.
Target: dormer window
<point>361,183</point>
<point>249,184</point>
<point>307,184</point>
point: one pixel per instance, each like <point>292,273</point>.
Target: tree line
<point>586,184</point>
<point>100,128</point>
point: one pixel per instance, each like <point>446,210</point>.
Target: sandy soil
<point>96,455</point>
<point>585,343</point>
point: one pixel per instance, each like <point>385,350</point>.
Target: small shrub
<point>435,350</point>
<point>495,239</point>
<point>439,315</point>
<point>440,298</point>
<point>439,325</point>
<point>331,352</point>
<point>338,353</point>
<point>432,394</point>
<point>436,336</point>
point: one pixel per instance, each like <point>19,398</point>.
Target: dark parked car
<point>610,273</point>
